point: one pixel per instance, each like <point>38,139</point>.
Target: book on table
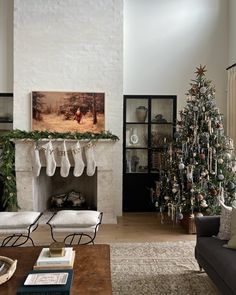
<point>46,282</point>
<point>45,261</point>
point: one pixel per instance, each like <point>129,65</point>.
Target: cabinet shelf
<point>148,129</point>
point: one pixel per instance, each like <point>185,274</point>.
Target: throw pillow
<point>225,222</point>
<point>232,242</point>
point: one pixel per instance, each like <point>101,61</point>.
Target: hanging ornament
<point>231,185</point>
<point>200,197</point>
<point>181,165</point>
<point>220,161</point>
<point>202,156</point>
<point>195,108</point>
<point>203,90</point>
<point>199,214</point>
<point>220,176</point>
<point>179,216</point>
<point>213,192</point>
<point>189,185</point>
<point>203,204</point>
<point>227,156</point>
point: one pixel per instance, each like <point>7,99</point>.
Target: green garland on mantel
<point>7,157</point>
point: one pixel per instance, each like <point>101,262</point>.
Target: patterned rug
<point>158,268</point>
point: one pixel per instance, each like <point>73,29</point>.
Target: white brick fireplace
<point>33,192</point>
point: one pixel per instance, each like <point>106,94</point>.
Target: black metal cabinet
<point>6,112</point>
<point>149,122</point>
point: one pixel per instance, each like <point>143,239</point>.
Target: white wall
<point>6,45</point>
<point>71,45</point>
<point>232,32</point>
<point>165,40</point>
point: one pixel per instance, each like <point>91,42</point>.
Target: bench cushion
<point>14,220</point>
<point>75,219</point>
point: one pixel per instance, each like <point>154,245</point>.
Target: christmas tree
<point>201,162</point>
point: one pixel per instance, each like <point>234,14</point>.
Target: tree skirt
<point>157,268</point>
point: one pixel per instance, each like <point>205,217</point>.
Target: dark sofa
<point>218,262</point>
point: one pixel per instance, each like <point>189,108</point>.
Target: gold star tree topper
<point>201,71</point>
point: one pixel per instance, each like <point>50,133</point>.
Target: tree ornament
<point>203,204</point>
<point>199,214</point>
<point>220,161</point>
<point>231,185</point>
<point>181,165</point>
<point>202,156</point>
<point>201,71</point>
<point>195,108</point>
<point>227,156</point>
<point>179,216</point>
<point>200,197</point>
<point>220,176</point>
<point>203,90</point>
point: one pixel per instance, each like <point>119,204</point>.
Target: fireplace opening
<point>60,193</point>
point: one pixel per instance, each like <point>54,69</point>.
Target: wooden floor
<point>130,228</point>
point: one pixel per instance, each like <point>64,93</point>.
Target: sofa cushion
<point>75,219</point>
<point>225,222</point>
<point>232,242</point>
<point>219,258</point>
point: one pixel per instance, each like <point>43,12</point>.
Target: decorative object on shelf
<point>134,136</point>
<point>141,113</point>
<point>9,267</point>
<point>202,173</point>
<point>68,111</point>
<point>159,119</point>
<point>7,157</point>
<point>134,163</point>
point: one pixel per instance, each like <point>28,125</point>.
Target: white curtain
<point>231,104</point>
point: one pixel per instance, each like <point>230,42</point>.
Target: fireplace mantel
<point>30,191</point>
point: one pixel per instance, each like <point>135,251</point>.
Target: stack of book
<point>46,261</point>
<point>45,282</point>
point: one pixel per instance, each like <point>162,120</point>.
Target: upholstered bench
<point>79,226</point>
<point>17,227</point>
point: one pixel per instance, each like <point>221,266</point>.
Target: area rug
<point>157,268</point>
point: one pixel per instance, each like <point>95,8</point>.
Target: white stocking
<point>91,164</point>
<point>65,163</point>
<point>36,167</point>
<point>50,160</point>
<point>79,163</point>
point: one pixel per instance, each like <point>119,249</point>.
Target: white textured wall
<point>232,32</point>
<point>6,45</point>
<point>165,40</point>
<point>71,45</point>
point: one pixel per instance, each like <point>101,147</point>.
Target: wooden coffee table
<point>92,274</point>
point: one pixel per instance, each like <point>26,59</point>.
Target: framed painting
<point>68,111</point>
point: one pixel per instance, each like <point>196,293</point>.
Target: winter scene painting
<point>68,111</point>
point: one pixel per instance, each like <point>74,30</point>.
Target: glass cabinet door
<point>148,130</point>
